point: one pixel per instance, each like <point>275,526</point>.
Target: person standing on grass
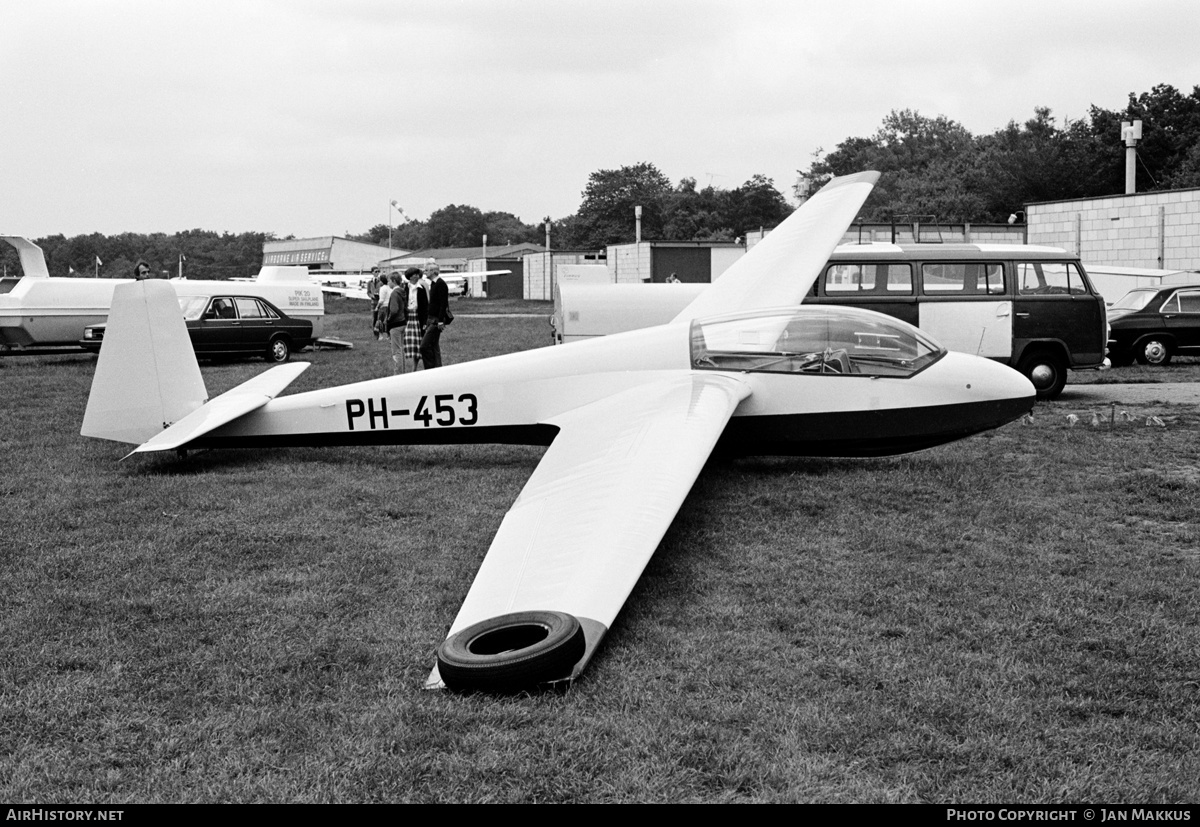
<point>417,303</point>
<point>439,305</point>
<point>381,306</point>
<point>397,306</point>
<point>373,294</point>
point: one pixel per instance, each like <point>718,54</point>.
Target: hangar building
<point>340,255</point>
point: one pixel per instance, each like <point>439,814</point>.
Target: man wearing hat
<point>439,306</point>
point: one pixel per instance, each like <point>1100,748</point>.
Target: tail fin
<point>33,260</point>
<point>147,376</point>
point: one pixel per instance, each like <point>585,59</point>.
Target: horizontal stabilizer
<point>243,399</point>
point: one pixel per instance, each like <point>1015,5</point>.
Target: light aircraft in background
<point>630,420</point>
<point>355,286</point>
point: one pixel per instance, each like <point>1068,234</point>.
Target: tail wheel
<point>1047,370</point>
<point>511,652</point>
<point>280,350</point>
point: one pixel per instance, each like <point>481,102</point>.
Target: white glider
<point>630,420</point>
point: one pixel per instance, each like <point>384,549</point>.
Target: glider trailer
<point>629,419</point>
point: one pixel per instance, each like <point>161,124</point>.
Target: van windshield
<point>813,340</point>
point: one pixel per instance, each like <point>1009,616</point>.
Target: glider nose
<point>996,393</point>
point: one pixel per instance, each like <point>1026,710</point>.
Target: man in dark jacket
<point>439,304</point>
<point>395,317</point>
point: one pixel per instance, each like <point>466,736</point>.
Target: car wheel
<point>511,652</point>
<point>280,350</point>
<point>1047,371</point>
<point>1155,351</point>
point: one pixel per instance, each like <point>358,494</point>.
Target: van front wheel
<point>1047,371</point>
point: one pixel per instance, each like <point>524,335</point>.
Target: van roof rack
<point>916,223</point>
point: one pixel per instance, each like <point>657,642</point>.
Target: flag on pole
<point>98,261</point>
<point>70,270</point>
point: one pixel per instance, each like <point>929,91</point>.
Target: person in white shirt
<point>381,309</point>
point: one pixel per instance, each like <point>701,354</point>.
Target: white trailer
<point>38,310</point>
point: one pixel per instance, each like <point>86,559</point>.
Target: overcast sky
<point>309,117</point>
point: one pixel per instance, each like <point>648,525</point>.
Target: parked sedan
<point>232,325</point>
<point>1152,324</point>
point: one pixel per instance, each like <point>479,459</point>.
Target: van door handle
<point>1023,315</point>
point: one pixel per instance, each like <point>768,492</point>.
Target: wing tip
<point>869,176</point>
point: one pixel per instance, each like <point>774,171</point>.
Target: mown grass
<point>1181,369</point>
<point>1011,618</point>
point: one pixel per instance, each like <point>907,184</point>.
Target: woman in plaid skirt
<point>417,312</point>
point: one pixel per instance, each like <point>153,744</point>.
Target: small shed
<point>656,261</point>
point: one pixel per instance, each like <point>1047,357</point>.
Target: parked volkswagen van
<point>1032,308</point>
<point>1028,306</point>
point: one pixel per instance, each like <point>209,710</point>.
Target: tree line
<point>930,166</point>
<point>208,255</point>
<point>605,215</point>
<point>935,166</point>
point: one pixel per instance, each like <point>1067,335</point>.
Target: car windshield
<point>1134,300</point>
<point>821,340</point>
<point>192,306</point>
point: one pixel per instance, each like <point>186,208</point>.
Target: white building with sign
<point>339,255</point>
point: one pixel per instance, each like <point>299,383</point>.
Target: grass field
<point>1012,618</point>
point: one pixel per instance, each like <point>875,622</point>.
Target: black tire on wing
<point>511,652</point>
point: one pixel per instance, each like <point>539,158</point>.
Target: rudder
<point>147,376</point>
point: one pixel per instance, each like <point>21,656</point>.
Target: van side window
<point>899,277</point>
<point>938,278</point>
<point>865,278</point>
<point>849,278</point>
<point>1054,278</point>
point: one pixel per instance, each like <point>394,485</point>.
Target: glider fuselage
<point>514,398</point>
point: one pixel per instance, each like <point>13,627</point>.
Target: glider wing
<point>780,270</point>
<point>594,511</point>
